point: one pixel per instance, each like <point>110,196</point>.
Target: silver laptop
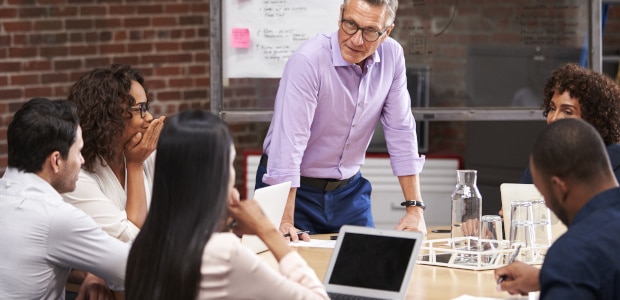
<point>272,200</point>
<point>371,263</point>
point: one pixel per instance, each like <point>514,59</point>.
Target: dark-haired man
<point>43,237</point>
<point>570,167</point>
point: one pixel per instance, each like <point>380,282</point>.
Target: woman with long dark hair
<point>185,249</point>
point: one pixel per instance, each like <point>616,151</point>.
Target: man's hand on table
<point>519,278</point>
<point>290,232</point>
<point>413,220</point>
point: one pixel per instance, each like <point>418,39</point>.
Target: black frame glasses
<point>142,107</point>
<point>368,34</point>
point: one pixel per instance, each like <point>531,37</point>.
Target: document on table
<point>531,296</point>
<point>314,243</point>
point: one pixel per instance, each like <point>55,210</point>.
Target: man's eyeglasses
<point>142,107</point>
<point>368,34</point>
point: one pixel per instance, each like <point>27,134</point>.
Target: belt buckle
<point>332,185</point>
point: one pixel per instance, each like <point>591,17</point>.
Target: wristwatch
<point>418,203</point>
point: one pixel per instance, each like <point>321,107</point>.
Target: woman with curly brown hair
<point>575,92</point>
<point>120,137</point>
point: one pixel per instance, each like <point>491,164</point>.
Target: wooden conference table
<point>427,282</point>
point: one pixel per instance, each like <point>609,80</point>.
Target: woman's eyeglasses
<point>142,107</point>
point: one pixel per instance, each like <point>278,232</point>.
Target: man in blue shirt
<point>571,169</point>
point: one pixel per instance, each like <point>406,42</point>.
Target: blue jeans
<point>325,212</point>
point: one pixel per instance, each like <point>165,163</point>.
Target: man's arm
<point>288,219</point>
<point>414,215</point>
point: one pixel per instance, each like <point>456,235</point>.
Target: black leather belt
<point>325,184</point>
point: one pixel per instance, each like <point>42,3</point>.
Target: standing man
<point>570,167</point>
<point>333,92</point>
<point>43,237</point>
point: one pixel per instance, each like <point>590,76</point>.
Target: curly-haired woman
<point>575,92</point>
<point>120,137</point>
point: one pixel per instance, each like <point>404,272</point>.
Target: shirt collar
<point>13,176</point>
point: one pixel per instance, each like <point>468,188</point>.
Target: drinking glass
<point>490,238</point>
<point>541,224</point>
<point>521,228</point>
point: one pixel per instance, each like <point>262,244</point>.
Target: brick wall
<point>45,45</point>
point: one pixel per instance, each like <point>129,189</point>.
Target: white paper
<point>314,243</point>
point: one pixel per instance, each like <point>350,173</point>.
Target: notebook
<point>372,263</point>
<point>272,200</point>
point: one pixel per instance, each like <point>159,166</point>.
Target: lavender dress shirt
<point>326,111</point>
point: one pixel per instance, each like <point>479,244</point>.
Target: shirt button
<point>359,104</point>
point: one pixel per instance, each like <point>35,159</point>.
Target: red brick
<point>22,52</point>
<point>140,47</point>
<point>180,58</point>
<point>119,36</point>
<point>167,46</point>
<point>95,10</point>
<point>189,33</point>
<point>42,25</point>
<point>192,20</point>
<point>76,37</point>
<point>79,24</point>
<point>21,2</point>
<point>70,64</point>
<point>155,83</point>
<point>51,1</point>
<point>39,91</point>
<point>97,62</point>
<point>36,65</point>
<point>46,39</point>
<point>181,82</point>
<point>153,59</point>
<point>136,22</point>
<point>122,9</point>
<point>64,11</point>
<point>33,12</point>
<point>54,78</point>
<point>54,51</point>
<point>82,50</point>
<point>196,45</point>
<point>4,80</point>
<point>168,96</point>
<point>7,13</point>
<point>167,71</point>
<point>203,81</point>
<point>177,8</point>
<point>10,67</point>
<point>17,26</point>
<point>112,48</point>
<point>164,21</point>
<point>195,94</point>
<point>8,94</point>
<point>150,9</point>
<point>19,80</point>
<point>130,60</point>
<point>108,23</point>
<point>200,8</point>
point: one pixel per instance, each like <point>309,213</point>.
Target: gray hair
<point>392,7</point>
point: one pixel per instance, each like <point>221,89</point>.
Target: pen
<point>511,260</point>
<point>299,232</point>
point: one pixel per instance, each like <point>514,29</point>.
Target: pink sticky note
<point>240,38</point>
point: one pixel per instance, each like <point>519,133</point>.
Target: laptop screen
<point>372,261</point>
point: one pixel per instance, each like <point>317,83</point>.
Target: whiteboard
<point>258,36</point>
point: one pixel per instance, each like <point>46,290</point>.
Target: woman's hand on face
<point>249,217</point>
<point>140,146</point>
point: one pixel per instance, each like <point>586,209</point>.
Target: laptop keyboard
<point>336,296</point>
